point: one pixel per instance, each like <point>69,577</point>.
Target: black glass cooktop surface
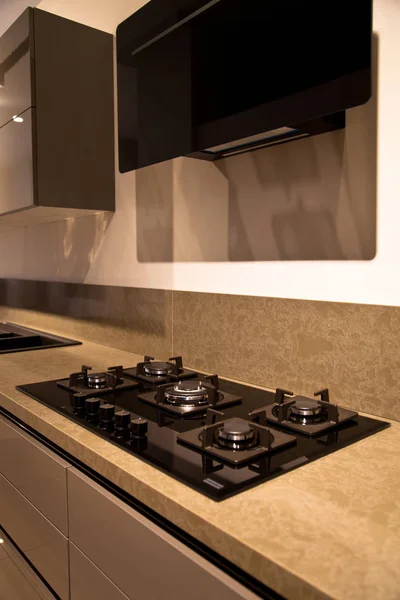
<point>156,441</point>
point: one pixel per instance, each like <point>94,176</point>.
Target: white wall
<point>231,227</point>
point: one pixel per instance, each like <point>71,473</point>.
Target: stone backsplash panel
<point>299,345</point>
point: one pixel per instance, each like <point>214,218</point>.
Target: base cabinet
<point>36,472</point>
<point>88,544</point>
<point>139,557</point>
<point>87,582</point>
<point>39,540</point>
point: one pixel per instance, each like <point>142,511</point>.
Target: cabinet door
<point>15,68</point>
<point>36,472</point>
<point>139,557</point>
<point>36,537</point>
<point>87,582</point>
<point>16,164</point>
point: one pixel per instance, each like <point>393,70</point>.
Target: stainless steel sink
<point>14,338</point>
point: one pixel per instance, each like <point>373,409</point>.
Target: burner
<point>158,372</point>
<point>305,415</point>
<point>236,441</point>
<point>187,393</point>
<point>236,434</point>
<point>96,381</point>
<point>305,410</point>
<point>191,396</point>
<point>89,384</point>
<point>157,369</point>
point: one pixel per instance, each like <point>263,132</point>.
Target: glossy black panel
<point>195,75</point>
<point>16,58</point>
<point>160,447</point>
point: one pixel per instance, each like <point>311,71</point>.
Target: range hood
<point>210,79</point>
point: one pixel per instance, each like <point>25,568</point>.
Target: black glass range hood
<point>210,79</point>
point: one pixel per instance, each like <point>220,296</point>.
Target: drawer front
<point>140,558</point>
<point>87,582</point>
<point>40,541</point>
<point>36,472</point>
<point>15,68</point>
<point>16,164</point>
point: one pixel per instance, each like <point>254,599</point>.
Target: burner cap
<point>236,430</point>
<point>236,434</point>
<point>187,393</point>
<point>157,369</point>
<point>96,381</point>
<point>305,410</point>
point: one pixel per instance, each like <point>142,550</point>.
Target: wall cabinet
<point>56,120</point>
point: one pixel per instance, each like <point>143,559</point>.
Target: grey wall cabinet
<point>56,120</point>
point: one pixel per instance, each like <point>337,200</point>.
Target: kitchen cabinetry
<point>86,542</point>
<point>56,120</point>
<point>140,558</point>
<point>33,503</point>
<point>39,474</point>
<point>39,540</point>
<point>87,581</point>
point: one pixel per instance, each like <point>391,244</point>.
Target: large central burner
<point>236,434</point>
<point>96,381</point>
<point>157,369</point>
<point>190,396</point>
<point>187,393</point>
<point>305,410</point>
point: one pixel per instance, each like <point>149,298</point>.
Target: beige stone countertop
<point>330,529</point>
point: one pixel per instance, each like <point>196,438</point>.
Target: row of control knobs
<point>119,422</point>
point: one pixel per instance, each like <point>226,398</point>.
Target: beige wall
<point>295,221</point>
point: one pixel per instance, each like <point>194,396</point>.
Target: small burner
<point>96,381</point>
<point>236,434</point>
<point>157,369</point>
<point>305,410</point>
<point>187,393</point>
<point>94,384</point>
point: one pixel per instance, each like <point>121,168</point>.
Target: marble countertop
<point>330,529</point>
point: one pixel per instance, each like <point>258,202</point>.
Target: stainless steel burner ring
<point>187,393</point>
<point>157,369</point>
<point>96,381</point>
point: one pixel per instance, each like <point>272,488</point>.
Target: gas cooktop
<point>215,435</point>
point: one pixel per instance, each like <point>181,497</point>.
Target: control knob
<point>78,404</point>
<point>106,416</point>
<point>122,419</point>
<point>92,406</point>
<point>138,427</point>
